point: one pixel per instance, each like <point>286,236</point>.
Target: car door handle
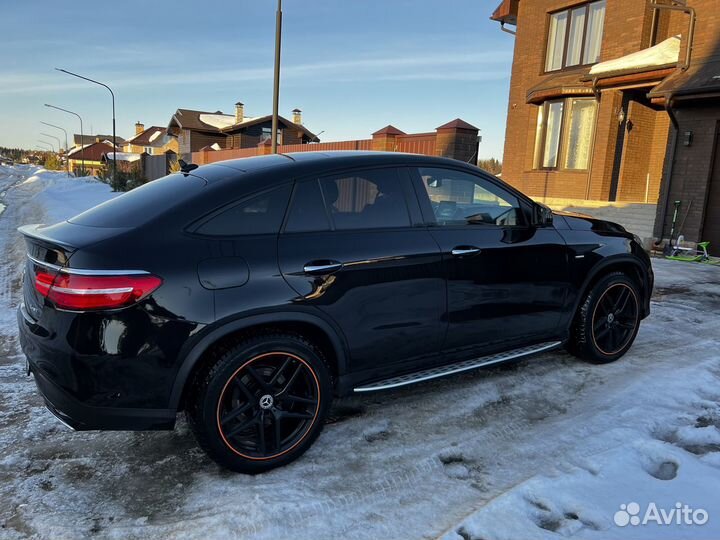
<point>459,251</point>
<point>322,267</point>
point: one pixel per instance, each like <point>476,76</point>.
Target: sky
<point>353,67</point>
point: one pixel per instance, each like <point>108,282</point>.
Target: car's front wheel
<point>262,403</point>
<point>607,320</point>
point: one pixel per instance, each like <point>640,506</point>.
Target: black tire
<point>607,320</point>
<point>235,421</point>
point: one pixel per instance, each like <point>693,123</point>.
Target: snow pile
<point>664,53</point>
<point>62,197</point>
<point>588,493</point>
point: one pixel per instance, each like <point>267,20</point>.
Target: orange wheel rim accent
<point>308,428</point>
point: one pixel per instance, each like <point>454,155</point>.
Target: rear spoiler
<point>35,232</point>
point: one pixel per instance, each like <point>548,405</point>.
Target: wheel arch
<point>618,263</point>
<point>311,326</point>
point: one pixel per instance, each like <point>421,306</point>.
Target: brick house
<point>598,96</point>
<point>153,141</point>
<point>91,156</point>
<point>196,130</point>
<point>84,140</point>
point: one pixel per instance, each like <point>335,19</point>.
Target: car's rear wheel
<point>607,321</point>
<point>262,403</point>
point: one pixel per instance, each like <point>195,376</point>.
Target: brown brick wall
<point>691,166</point>
<point>460,144</point>
<point>627,30</point>
<point>691,170</point>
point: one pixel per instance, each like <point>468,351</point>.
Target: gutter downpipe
<point>691,27</point>
<point>669,100</point>
<point>507,30</point>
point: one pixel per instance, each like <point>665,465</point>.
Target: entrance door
<point>711,227</point>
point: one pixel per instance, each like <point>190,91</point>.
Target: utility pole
<point>276,80</point>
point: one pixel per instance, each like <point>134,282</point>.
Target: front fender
<point>607,264</point>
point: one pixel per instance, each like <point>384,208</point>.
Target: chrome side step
<point>442,371</point>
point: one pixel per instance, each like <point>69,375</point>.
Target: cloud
<point>439,66</point>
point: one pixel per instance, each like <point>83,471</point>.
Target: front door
<point>507,280</point>
<point>711,227</point>
<point>350,249</point>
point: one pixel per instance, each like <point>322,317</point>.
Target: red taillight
<point>80,292</point>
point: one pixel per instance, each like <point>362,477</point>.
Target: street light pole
<point>53,137</point>
<point>50,144</point>
<point>112,94</point>
<point>276,79</point>
<point>67,161</point>
<point>57,139</point>
<point>82,135</point>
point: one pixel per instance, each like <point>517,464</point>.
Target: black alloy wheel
<point>261,403</point>
<point>615,318</point>
<point>268,405</point>
<point>607,320</point>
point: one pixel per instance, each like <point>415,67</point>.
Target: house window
<point>267,132</point>
<point>564,134</point>
<point>575,36</point>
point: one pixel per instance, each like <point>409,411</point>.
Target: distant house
<point>92,154</point>
<point>195,130</point>
<point>126,161</point>
<point>85,140</point>
<point>153,141</point>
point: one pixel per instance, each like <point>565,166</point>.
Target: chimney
<point>297,117</point>
<point>239,112</point>
<point>139,127</point>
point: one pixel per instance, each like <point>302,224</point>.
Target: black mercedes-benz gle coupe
<point>249,293</point>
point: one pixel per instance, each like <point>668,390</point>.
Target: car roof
<point>317,162</point>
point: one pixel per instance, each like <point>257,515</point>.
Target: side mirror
<point>542,215</point>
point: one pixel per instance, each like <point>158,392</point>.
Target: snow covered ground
<point>549,447</point>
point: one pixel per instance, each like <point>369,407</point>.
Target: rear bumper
<point>72,411</point>
<point>81,417</point>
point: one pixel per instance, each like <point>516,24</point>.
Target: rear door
<point>354,247</point>
<point>507,280</point>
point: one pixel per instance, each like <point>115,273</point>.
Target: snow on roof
<point>155,135</point>
<point>221,121</point>
<point>218,121</point>
<point>662,54</point>
<point>77,149</point>
<point>123,156</point>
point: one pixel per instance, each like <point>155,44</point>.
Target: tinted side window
<point>261,214</point>
<point>307,211</point>
<point>370,199</point>
<point>460,198</point>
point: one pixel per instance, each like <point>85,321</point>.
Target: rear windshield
<point>143,203</point>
